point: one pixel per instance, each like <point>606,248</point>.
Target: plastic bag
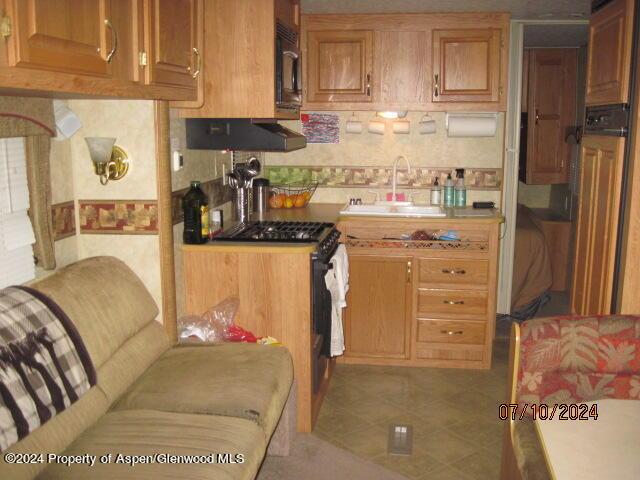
<point>215,325</point>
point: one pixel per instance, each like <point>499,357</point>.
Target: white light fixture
<point>392,115</point>
<point>110,162</point>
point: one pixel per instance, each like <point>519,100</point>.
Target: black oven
<point>288,70</point>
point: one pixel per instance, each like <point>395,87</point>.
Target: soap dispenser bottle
<point>436,193</point>
<point>449,199</point>
<point>460,189</point>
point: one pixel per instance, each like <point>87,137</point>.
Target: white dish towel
<point>337,282</point>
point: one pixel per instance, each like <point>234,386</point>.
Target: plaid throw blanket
<point>44,365</point>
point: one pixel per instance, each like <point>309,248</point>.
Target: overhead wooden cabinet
<point>551,111</point>
<point>379,317</point>
<point>63,35</point>
<point>405,61</point>
<point>102,48</point>
<point>594,260</point>
<point>466,65</point>
<point>609,61</point>
<point>173,43</point>
<point>339,66</point>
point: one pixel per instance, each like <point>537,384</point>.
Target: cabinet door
<point>174,58</point>
<point>610,32</point>
<point>552,101</point>
<point>71,36</point>
<point>339,66</point>
<point>597,224</point>
<point>377,320</point>
<point>466,65</point>
<point>401,68</point>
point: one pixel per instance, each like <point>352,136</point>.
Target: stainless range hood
<point>241,134</point>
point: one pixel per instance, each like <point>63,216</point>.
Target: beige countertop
<point>321,212</point>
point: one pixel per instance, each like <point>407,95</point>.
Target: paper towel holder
<point>468,114</point>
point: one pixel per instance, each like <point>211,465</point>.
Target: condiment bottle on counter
<point>195,206</point>
<point>436,193</point>
<point>449,199</point>
<point>460,189</point>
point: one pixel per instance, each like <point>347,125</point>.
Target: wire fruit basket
<point>291,195</point>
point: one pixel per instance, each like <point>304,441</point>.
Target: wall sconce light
<point>110,162</point>
<point>392,115</point>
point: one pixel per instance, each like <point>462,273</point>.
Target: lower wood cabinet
<point>379,296</point>
<point>420,303</point>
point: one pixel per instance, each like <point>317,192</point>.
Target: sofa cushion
<point>104,299</point>
<point>56,435</point>
<point>148,433</point>
<point>239,380</point>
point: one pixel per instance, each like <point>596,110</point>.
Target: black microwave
<point>288,70</point>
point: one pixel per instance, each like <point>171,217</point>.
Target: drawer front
<point>451,331</point>
<point>426,351</point>
<point>457,271</point>
<point>452,303</point>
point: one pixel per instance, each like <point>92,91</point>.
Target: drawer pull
<point>453,302</point>
<point>454,271</point>
<point>451,332</point>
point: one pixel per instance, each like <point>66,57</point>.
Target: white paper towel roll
<point>461,125</point>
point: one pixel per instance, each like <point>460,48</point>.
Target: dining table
<point>593,443</point>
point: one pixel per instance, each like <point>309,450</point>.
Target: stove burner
<point>275,232</point>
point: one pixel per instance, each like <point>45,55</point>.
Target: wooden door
<point>378,313</point>
<point>466,65</point>
<point>71,36</point>
<point>597,224</point>
<point>552,110</point>
<point>339,66</point>
<point>173,56</point>
<point>609,59</point>
<point>402,60</point>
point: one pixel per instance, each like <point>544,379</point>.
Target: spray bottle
<point>460,189</point>
<point>449,199</point>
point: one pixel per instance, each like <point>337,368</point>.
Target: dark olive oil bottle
<point>195,206</point>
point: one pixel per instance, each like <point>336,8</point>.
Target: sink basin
<point>392,203</point>
<point>421,211</point>
<point>393,211</point>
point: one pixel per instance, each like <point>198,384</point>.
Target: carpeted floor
<point>314,459</point>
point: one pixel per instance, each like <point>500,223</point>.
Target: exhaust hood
<point>241,134</point>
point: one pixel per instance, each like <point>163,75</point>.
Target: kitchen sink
<point>393,211</point>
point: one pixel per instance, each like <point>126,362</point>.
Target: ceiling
<point>520,9</point>
<point>556,35</point>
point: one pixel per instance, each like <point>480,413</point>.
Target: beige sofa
<point>151,397</point>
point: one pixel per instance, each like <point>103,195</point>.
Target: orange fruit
<point>300,201</point>
<point>306,195</point>
<point>282,198</point>
<point>275,201</point>
<point>288,203</point>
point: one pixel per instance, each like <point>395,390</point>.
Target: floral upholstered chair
<point>566,360</point>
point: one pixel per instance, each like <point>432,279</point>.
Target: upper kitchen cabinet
<point>339,66</point>
<point>405,61</point>
<point>61,35</point>
<point>96,48</point>
<point>466,65</point>
<point>251,63</point>
<point>610,35</point>
<point>173,43</point>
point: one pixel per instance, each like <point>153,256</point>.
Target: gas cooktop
<point>274,231</point>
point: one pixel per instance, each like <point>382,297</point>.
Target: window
<point>16,233</point>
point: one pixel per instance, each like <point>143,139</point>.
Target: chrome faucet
<point>395,174</point>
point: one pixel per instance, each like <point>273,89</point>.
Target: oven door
<point>288,75</point>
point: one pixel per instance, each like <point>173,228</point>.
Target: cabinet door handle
<point>409,271</point>
<point>454,271</point>
<point>436,93</point>
<point>451,332</point>
<point>369,84</point>
<point>196,71</point>
<point>453,302</point>
<point>114,40</point>
<point>537,116</point>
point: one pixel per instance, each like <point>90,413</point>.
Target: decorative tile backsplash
<point>64,220</point>
<point>118,216</point>
<point>217,193</point>
<point>380,177</point>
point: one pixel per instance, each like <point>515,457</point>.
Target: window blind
<point>16,232</point>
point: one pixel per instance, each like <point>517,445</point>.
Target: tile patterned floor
<point>454,414</point>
